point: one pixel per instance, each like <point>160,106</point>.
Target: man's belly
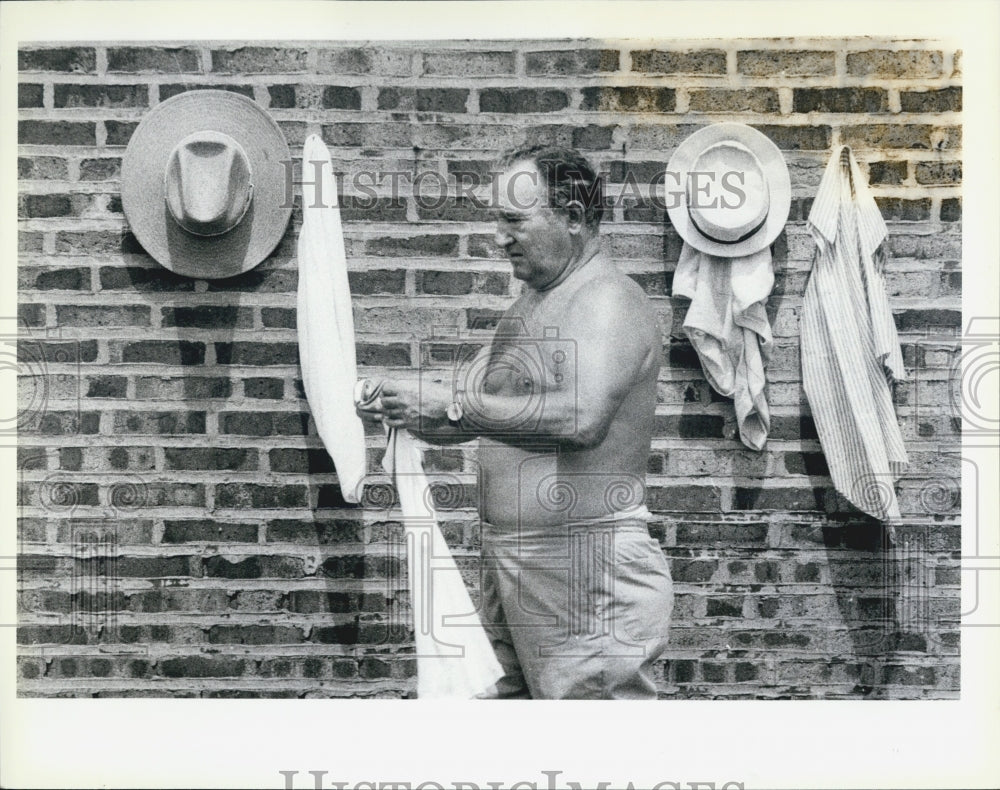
<point>541,487</point>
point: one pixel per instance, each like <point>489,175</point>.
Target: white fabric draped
<point>454,656</point>
<point>728,327</point>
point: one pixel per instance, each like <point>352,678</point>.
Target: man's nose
<point>502,237</point>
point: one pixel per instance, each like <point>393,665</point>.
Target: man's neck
<point>586,254</point>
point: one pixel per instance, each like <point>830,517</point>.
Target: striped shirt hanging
<point>850,350</point>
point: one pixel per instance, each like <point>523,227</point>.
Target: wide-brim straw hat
<point>718,221</point>
<point>243,172</point>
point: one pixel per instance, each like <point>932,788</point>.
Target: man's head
<point>549,208</point>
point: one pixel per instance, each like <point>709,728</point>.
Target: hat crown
<point>208,183</point>
<point>727,192</point>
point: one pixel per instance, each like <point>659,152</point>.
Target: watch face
<point>454,411</point>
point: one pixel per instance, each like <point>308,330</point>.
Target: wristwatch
<point>455,412</point>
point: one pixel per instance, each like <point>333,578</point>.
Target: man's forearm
<point>554,417</point>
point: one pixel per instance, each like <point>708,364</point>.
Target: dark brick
<point>522,100</point>
<point>699,534</point>
<point>378,281</point>
<point>886,63</point>
<point>117,278</point>
<point>778,498</point>
<point>300,461</point>
<point>281,96</point>
<point>449,209</point>
<point>694,571</point>
<point>173,60</point>
<point>42,167</point>
<point>249,495</point>
<point>745,671</point>
<point>61,423</point>
<point>207,317</point>
<point>690,426</point>
<point>220,458</point>
<point>939,172</point>
<point>943,100</point>
<point>34,351</point>
<point>69,95</point>
<point>416,246</point>
<point>254,635</point>
<point>51,634</point>
<point>29,94</point>
<point>56,133</point>
<point>159,422</point>
<point>361,208</point>
<point>86,315</point>
<point>863,100</point>
<point>568,62</point>
<point>249,353</point>
<point>886,172</point>
<point>45,206</point>
<point>683,498</point>
<point>346,634</point>
<point>712,672</point>
<point>316,532</point>
<point>734,100</point>
<point>724,607</point>
<point>383,354</point>
<point>951,209</point>
<point>264,388</point>
<point>264,423</point>
<point>629,99</point>
<point>150,567</point>
<point>449,100</point>
<point>165,352</point>
<point>337,97</point>
<point>32,458</point>
<point>258,60</point>
<point>704,61</point>
<point>459,282</point>
<point>795,138</point>
<point>119,132</point>
<point>898,209</point>
<point>194,387</point>
<point>31,314</point>
<point>107,387</point>
<point>256,567</point>
<point>782,62</point>
<point>278,317</point>
<point>80,60</point>
<point>793,428</point>
<point>806,464</point>
<point>808,572</point>
<point>201,667</point>
<point>905,136</point>
<point>169,90</point>
<point>922,320</point>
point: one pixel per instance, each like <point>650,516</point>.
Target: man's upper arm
<point>616,341</point>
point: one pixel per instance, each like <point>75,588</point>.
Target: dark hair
<point>568,176</point>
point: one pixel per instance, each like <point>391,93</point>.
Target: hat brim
<point>143,191</point>
<point>775,172</point>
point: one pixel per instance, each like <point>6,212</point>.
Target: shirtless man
<point>576,595</point>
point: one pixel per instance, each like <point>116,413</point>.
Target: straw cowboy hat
<point>737,191</point>
<point>203,187</point>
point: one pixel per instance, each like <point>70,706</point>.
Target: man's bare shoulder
<point>613,296</point>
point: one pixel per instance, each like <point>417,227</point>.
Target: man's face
<point>538,240</point>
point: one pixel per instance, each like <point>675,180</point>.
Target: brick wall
<point>181,530</point>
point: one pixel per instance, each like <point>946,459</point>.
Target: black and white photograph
<point>360,375</point>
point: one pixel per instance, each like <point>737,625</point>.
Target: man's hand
<point>410,404</point>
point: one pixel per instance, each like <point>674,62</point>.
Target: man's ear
<point>574,216</point>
